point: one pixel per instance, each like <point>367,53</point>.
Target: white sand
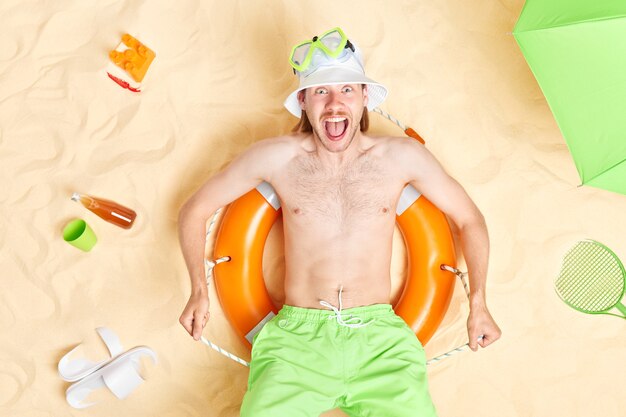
<point>217,86</point>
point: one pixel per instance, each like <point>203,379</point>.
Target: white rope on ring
<point>224,352</point>
<point>210,264</point>
<point>459,274</point>
<point>389,117</point>
<point>464,347</point>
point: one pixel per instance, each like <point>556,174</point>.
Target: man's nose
<point>334,101</point>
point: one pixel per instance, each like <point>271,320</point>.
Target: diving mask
<point>331,43</point>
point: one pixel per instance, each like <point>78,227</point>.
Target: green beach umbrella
<point>577,51</point>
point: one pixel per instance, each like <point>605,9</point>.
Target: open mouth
<point>336,127</point>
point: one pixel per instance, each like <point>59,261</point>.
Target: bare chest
<point>359,193</point>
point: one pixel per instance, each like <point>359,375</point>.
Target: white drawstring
<point>352,322</point>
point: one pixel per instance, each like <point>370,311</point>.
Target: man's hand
<point>196,314</point>
<point>480,323</point>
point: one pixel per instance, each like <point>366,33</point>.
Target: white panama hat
<point>346,69</point>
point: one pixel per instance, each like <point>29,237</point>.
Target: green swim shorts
<point>364,360</point>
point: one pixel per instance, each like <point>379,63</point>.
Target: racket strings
<point>591,278</point>
<point>598,267</point>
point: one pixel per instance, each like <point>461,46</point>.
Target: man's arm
<point>245,172</point>
<point>428,176</point>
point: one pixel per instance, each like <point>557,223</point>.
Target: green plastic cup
<point>78,233</point>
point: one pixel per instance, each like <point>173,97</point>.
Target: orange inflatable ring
<point>247,223</point>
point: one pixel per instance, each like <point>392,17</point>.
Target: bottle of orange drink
<point>108,210</point>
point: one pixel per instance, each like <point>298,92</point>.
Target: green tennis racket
<point>592,279</point>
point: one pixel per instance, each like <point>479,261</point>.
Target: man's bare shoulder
<point>276,152</point>
<point>281,148</point>
<point>406,156</point>
<point>393,146</point>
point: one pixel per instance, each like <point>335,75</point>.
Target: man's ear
<point>301,95</point>
<point>365,95</point>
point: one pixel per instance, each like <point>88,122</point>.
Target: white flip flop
<point>119,372</point>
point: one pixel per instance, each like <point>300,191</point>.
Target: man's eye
<point>320,91</point>
<point>347,89</point>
